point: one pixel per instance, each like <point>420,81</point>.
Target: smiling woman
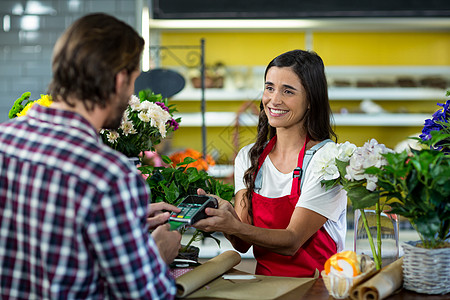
<point>293,224</point>
<point>284,98</point>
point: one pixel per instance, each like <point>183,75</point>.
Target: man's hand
<point>168,242</point>
<point>157,216</point>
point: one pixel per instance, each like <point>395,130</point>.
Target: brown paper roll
<point>381,285</point>
<point>189,282</point>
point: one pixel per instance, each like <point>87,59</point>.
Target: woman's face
<point>284,98</point>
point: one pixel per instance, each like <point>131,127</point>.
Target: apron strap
<point>298,171</point>
<point>308,156</point>
<point>262,157</point>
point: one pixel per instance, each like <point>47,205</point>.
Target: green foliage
<point>172,184</point>
<point>18,105</point>
<point>421,184</point>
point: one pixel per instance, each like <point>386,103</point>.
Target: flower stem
<point>196,233</point>
<point>369,237</point>
<point>378,213</point>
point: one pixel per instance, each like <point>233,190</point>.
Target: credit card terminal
<point>193,209</point>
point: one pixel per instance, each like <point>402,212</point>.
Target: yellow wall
<point>336,49</point>
<point>234,48</point>
<point>387,48</point>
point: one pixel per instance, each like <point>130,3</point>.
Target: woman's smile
<point>277,112</point>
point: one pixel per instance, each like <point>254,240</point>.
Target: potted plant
<point>173,183</point>
<point>419,182</point>
<point>146,121</point>
<point>214,76</point>
<point>345,165</point>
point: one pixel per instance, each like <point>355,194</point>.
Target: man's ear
<point>121,80</point>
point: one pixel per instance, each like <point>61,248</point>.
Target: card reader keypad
<point>187,211</point>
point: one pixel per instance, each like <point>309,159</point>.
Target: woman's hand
<point>159,213</point>
<point>221,219</point>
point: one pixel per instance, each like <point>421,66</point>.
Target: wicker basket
<point>426,270</point>
<point>339,286</point>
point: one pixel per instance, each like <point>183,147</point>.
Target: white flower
<point>127,128</point>
<point>144,117</point>
<point>146,105</point>
<point>159,118</point>
<point>364,157</point>
<point>346,151</point>
<point>324,164</point>
<point>112,136</point>
<point>162,129</point>
<point>134,103</point>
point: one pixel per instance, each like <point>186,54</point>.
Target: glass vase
<point>389,227</point>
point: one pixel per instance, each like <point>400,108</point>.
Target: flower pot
<point>426,270</point>
<point>190,252</point>
<point>389,235</point>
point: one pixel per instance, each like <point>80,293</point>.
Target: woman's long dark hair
<point>309,68</point>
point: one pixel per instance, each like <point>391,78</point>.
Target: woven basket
<point>339,286</point>
<point>426,270</point>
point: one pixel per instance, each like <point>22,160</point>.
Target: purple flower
<point>442,115</point>
<point>173,123</point>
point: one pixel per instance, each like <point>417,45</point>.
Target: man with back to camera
<point>73,212</point>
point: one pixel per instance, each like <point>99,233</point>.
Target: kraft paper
<point>381,285</point>
<point>213,268</point>
<point>205,281</point>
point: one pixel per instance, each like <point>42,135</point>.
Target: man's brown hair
<point>87,57</point>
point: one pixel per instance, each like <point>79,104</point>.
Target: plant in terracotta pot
<point>173,183</point>
<point>419,182</point>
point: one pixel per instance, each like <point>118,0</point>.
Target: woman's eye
<point>288,92</point>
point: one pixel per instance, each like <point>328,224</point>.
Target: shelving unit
<point>221,119</point>
<point>353,56</point>
<point>334,93</point>
<point>230,93</point>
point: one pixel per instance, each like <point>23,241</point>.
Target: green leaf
<point>186,161</point>
<point>328,184</point>
<point>361,198</point>
<point>342,167</point>
<point>18,106</point>
<point>171,192</point>
<point>428,225</point>
<point>166,159</point>
<point>194,176</point>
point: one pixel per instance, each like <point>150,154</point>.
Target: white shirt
<point>331,204</point>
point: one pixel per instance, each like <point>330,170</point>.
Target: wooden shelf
<point>334,93</point>
<point>224,119</point>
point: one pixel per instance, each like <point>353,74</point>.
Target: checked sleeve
<point>128,257</point>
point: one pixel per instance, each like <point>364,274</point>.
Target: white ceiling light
<point>29,23</point>
<point>6,23</point>
<point>17,9</point>
<point>336,24</point>
<point>37,8</point>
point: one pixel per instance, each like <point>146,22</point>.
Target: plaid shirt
<point>72,215</point>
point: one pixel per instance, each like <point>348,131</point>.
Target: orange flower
<point>199,164</point>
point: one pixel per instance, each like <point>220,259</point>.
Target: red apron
<point>275,213</point>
